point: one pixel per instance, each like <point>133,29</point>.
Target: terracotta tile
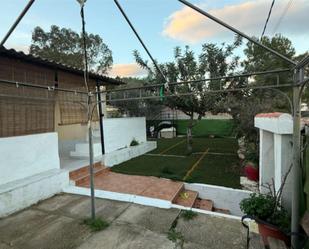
<point>186,198</point>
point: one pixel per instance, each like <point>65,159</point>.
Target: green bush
<point>264,207</point>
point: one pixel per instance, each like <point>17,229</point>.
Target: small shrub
<point>96,224</point>
<point>188,214</point>
<point>134,142</point>
<point>174,236</point>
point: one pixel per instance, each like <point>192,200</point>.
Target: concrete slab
<point>106,209</point>
<point>154,219</point>
<point>57,202</point>
<point>127,236</point>
<point>213,232</point>
<point>5,246</point>
<point>15,226</point>
<point>63,232</point>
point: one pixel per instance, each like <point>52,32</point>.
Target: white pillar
<point>267,171</point>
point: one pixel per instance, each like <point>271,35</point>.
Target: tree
<point>212,62</point>
<point>66,46</point>
<point>136,108</point>
<point>243,106</point>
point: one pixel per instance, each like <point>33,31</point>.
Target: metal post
<point>16,22</point>
<point>91,159</point>
<point>296,170</point>
<point>101,115</point>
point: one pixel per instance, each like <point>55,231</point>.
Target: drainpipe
<point>101,115</point>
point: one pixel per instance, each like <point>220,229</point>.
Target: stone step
<point>221,210</point>
<point>84,172</point>
<point>186,198</point>
<point>204,204</point>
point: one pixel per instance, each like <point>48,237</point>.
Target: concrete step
<point>204,204</point>
<point>78,175</point>
<point>186,198</point>
<point>221,210</point>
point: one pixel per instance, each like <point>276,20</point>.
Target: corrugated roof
<point>12,53</point>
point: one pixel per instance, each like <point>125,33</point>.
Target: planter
<point>251,172</point>
<point>272,231</point>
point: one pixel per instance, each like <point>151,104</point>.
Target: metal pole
<point>101,115</point>
<point>89,112</point>
<point>91,159</point>
<point>296,170</point>
<point>139,38</point>
<point>21,15</point>
<point>199,81</point>
<point>190,5</point>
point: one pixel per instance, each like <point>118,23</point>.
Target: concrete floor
<point>57,223</point>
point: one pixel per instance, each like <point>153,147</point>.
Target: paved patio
<point>57,223</point>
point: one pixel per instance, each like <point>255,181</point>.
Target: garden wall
<point>206,127</point>
<point>30,171</point>
<point>119,132</point>
<point>24,156</point>
<point>225,198</point>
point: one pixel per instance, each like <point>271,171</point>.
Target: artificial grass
<point>222,170</point>
<point>168,167</point>
<point>218,170</point>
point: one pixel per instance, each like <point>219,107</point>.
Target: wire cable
<point>267,20</point>
<point>282,16</point>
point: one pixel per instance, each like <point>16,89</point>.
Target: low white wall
<point>24,156</point>
<point>226,198</point>
<point>119,132</point>
<point>119,156</point>
<point>20,194</point>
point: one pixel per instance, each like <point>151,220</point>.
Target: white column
<point>267,171</point>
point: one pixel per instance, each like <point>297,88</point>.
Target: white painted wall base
<point>22,193</point>
<point>226,198</point>
<point>82,150</point>
<point>142,200</point>
<point>147,201</point>
<point>125,154</point>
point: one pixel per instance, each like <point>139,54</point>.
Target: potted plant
<point>266,209</point>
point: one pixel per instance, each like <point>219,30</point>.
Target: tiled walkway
<point>148,186</point>
<point>136,185</point>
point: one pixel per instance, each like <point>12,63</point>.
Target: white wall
<point>24,156</point>
<point>119,132</point>
<point>226,198</point>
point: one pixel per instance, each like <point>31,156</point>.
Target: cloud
<point>249,16</point>
<point>127,70</point>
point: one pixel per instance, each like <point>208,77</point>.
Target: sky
<point>162,24</point>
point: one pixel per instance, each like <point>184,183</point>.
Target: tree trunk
<point>189,135</point>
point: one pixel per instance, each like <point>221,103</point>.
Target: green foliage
<point>188,214</point>
<point>264,207</point>
<point>66,46</point>
<point>96,224</point>
<point>213,61</point>
<point>134,142</point>
<point>174,236</point>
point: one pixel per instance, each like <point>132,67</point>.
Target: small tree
<point>214,61</point>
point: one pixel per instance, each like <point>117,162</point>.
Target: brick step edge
<point>84,178</point>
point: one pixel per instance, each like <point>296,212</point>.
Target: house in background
<point>25,110</point>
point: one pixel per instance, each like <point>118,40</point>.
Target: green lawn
<point>219,167</point>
